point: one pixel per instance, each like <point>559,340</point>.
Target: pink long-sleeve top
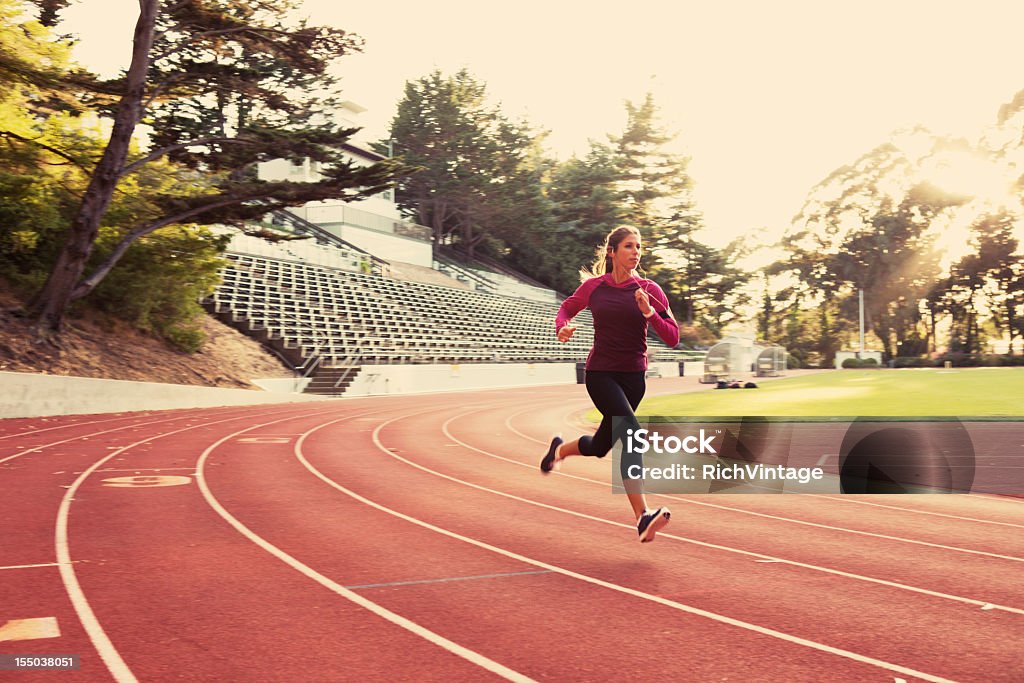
<point>620,329</point>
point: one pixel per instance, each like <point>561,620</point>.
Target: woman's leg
<point>633,387</point>
<point>616,395</point>
<point>608,397</point>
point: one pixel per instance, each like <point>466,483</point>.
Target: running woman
<point>623,306</point>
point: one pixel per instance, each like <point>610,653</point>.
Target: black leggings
<point>616,395</point>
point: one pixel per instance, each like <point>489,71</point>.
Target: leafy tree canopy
<point>220,86</point>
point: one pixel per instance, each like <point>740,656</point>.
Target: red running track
<point>414,538</point>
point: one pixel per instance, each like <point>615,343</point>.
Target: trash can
<point>682,368</point>
<point>581,373</point>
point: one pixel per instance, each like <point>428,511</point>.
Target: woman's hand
<point>565,334</point>
<point>644,303</point>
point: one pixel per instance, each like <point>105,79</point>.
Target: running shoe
<point>550,460</point>
<point>651,521</point>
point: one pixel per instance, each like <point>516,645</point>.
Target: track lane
<point>32,504</point>
<point>528,526</point>
<point>20,427</point>
<point>476,591</point>
<point>471,470</point>
<point>218,607</point>
<point>518,519</point>
<point>1000,534</point>
<point>478,598</point>
<point>37,477</point>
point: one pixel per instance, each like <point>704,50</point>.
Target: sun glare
<point>953,240</point>
<point>966,173</point>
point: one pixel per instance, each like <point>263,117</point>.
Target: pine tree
<point>474,163</point>
<point>701,280</point>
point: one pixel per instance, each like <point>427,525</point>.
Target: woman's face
<point>626,255</point>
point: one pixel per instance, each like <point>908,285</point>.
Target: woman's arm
<point>575,303</point>
<point>665,326</point>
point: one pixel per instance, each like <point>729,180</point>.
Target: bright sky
<point>767,97</point>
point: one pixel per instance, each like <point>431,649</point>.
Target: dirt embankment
<point>95,346</point>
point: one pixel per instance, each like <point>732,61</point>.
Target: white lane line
<point>917,512</point>
<point>85,436</point>
<point>111,657</point>
<point>307,571</point>
<point>66,426</point>
<point>763,558</point>
<point>898,539</point>
<point>449,579</point>
<point>599,582</point>
<point>29,566</point>
<point>92,434</point>
<point>1004,499</point>
<point>690,501</point>
<point>564,420</point>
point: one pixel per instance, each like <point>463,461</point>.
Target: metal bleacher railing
<point>487,275</point>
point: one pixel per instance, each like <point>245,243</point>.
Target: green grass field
<point>968,392</point>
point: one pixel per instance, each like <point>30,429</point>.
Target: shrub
<point>185,338</point>
<point>959,359</point>
<point>855,363</point>
<point>912,362</point>
<point>1004,361</point>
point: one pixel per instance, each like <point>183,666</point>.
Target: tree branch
<point>63,155</point>
<point>195,37</point>
<point>156,154</point>
<point>159,88</point>
<point>86,285</point>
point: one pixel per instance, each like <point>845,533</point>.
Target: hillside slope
<point>92,346</point>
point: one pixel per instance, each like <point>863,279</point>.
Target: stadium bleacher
<point>328,321</point>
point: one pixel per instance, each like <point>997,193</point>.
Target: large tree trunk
<point>50,304</point>
<point>435,219</point>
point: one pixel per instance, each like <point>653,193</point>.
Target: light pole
<point>860,296</point>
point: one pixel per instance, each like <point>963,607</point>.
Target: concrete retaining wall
<point>381,380</point>
<point>32,395</point>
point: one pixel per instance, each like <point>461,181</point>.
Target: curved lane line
<point>86,436</point>
<point>918,512</point>
<point>307,571</point>
<point>741,511</point>
<point>599,582</point>
<point>63,426</point>
<point>111,657</point>
<point>883,582</point>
